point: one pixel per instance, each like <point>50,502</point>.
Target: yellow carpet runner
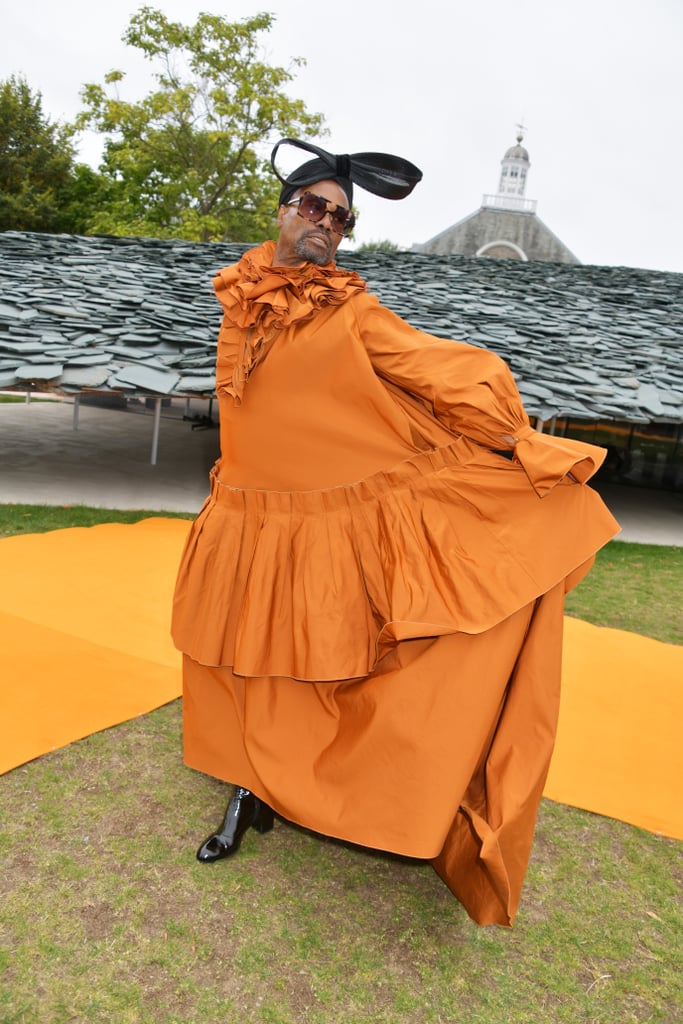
<point>84,645</point>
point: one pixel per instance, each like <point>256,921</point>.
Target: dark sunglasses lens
<point>312,208</point>
<point>340,221</point>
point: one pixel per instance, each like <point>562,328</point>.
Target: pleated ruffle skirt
<point>321,585</point>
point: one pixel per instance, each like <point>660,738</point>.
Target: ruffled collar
<point>261,299</point>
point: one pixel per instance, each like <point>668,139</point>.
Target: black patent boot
<point>244,811</point>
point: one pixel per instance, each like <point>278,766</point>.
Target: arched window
<point>502,249</point>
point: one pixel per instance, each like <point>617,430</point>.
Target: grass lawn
<point>14,399</point>
<point>637,587</point>
<point>15,519</point>
<point>105,915</point>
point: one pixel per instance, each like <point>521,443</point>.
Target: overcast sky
<point>598,84</point>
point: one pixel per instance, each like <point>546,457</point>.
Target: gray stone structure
<point>506,226</point>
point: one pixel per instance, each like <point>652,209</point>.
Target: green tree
<point>41,188</point>
<point>188,160</point>
<point>383,246</point>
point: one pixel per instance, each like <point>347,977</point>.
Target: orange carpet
<point>84,632</point>
<point>618,750</point>
<point>84,645</point>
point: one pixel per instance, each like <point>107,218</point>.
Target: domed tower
<point>514,168</point>
<point>506,226</point>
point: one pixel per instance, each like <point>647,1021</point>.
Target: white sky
<point>598,83</point>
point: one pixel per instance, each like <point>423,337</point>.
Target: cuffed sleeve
<point>547,459</point>
<point>472,392</point>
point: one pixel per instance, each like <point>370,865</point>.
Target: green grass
<point>15,519</point>
<point>13,399</point>
<point>105,915</point>
<point>637,587</point>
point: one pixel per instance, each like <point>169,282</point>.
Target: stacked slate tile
<point>137,316</point>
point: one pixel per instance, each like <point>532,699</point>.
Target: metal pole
<point>155,434</point>
<point>77,405</point>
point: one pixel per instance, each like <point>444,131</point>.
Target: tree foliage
<point>383,246</point>
<point>41,188</point>
<point>188,160</point>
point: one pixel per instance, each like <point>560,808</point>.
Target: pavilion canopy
<point>133,316</point>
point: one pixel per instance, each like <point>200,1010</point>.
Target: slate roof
<point>503,226</point>
<point>134,315</point>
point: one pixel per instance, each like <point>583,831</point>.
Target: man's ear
<point>281,215</point>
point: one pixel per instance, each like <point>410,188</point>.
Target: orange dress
<point>370,602</point>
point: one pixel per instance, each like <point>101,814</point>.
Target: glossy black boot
<point>244,811</point>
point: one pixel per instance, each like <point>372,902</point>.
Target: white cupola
<point>514,169</point>
<point>511,194</point>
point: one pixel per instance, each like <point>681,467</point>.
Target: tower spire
<point>514,167</point>
<point>511,194</point>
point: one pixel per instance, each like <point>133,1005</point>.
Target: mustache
<point>319,233</point>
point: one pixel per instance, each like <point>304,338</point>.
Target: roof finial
<point>521,128</point>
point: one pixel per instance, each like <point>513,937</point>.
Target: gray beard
<point>312,253</point>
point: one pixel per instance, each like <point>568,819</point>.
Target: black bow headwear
<point>384,175</point>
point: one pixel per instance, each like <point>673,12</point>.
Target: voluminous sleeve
<point>472,392</point>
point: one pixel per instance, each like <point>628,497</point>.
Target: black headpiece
<point>384,175</point>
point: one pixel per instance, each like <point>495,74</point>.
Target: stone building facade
<point>506,226</point>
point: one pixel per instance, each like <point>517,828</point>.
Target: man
<point>300,239</point>
<point>370,603</point>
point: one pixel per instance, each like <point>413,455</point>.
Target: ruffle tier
<point>319,585</point>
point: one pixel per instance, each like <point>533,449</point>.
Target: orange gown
<point>370,602</point>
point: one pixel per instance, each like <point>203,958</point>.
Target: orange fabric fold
<point>260,300</point>
<point>349,742</point>
<point>547,459</point>
<point>335,579</point>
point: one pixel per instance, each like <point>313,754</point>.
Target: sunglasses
<point>314,208</point>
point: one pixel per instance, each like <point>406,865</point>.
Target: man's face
<point>300,241</point>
